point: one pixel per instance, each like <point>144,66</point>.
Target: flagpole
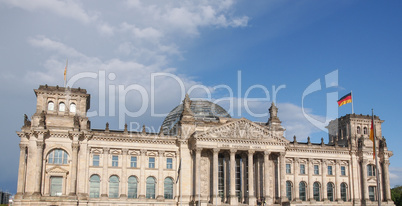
<point>352,101</point>
<point>376,160</point>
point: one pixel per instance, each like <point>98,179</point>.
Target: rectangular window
<point>169,163</point>
<point>288,169</point>
<point>343,171</point>
<point>302,169</point>
<point>115,161</point>
<point>95,160</point>
<point>329,170</point>
<point>372,193</point>
<point>56,185</point>
<point>133,162</point>
<point>316,170</point>
<point>151,163</point>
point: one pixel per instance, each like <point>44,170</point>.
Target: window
<point>62,107</point>
<point>169,163</point>
<point>95,160</point>
<point>168,185</point>
<point>58,156</point>
<point>372,193</point>
<point>132,187</point>
<point>316,170</point>
<point>370,170</point>
<point>56,185</point>
<point>365,130</point>
<point>343,171</point>
<point>151,163</point>
<point>50,106</point>
<point>150,188</point>
<point>94,185</point>
<point>358,130</point>
<point>343,191</point>
<point>302,169</point>
<point>115,161</point>
<point>133,162</point>
<point>113,186</point>
<point>302,191</point>
<point>289,190</point>
<point>330,191</point>
<point>288,169</point>
<point>316,191</point>
<point>73,108</point>
<point>329,170</point>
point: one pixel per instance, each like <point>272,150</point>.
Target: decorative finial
<point>308,141</point>
<point>107,126</point>
<point>322,141</point>
<point>294,139</point>
<point>143,129</point>
<point>125,128</point>
<point>27,123</point>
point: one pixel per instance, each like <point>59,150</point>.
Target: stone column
<point>124,178</point>
<point>364,179</point>
<point>310,179</point>
<point>233,198</point>
<point>215,175</point>
<point>39,166</point>
<point>386,180</point>
<point>337,181</point>
<point>243,178</point>
<point>324,179</point>
<point>283,180</point>
<point>74,163</point>
<point>296,180</point>
<point>226,178</point>
<point>267,174</point>
<point>197,173</point>
<point>251,196</point>
<point>355,194</point>
<point>21,171</point>
<point>143,183</point>
<point>160,176</point>
<point>105,178</point>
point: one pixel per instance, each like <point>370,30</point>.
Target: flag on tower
<point>372,136</point>
<point>345,99</point>
<point>65,73</point>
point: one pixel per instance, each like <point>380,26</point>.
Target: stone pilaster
<point>243,178</point>
<point>21,171</point>
<point>197,173</point>
<point>337,181</point>
<point>226,178</point>
<point>74,162</point>
<point>364,179</point>
<point>283,180</point>
<point>355,179</point>
<point>39,166</point>
<point>215,176</point>
<point>324,179</point>
<point>142,174</point>
<point>251,195</point>
<point>296,171</point>
<point>310,180</point>
<point>105,176</point>
<point>233,198</point>
<point>160,196</point>
<point>31,166</point>
<point>386,180</point>
<point>124,177</point>
<point>267,176</point>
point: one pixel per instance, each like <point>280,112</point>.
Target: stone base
<point>252,201</point>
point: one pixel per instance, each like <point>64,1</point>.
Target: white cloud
<point>395,176</point>
<point>68,9</point>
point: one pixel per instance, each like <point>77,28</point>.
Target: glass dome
<point>201,109</point>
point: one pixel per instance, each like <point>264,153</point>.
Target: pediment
<point>241,129</point>
<point>57,170</point>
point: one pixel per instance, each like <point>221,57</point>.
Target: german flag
<point>372,138</point>
<point>345,99</point>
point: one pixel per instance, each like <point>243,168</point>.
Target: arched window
<point>50,106</point>
<point>113,186</point>
<point>289,190</point>
<point>73,107</point>
<point>94,185</point>
<point>62,107</point>
<point>370,170</point>
<point>330,191</point>
<point>302,191</point>
<point>132,187</point>
<point>358,130</point>
<point>316,191</point>
<point>365,130</point>
<point>57,156</point>
<point>343,191</point>
<point>168,185</point>
<point>150,188</point>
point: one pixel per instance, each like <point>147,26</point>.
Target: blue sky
<point>287,44</point>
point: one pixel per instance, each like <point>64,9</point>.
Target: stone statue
<point>42,119</point>
<point>27,123</point>
<point>76,121</point>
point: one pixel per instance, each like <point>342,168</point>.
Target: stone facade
<point>194,159</point>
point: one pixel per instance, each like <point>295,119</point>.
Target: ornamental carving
<point>204,173</point>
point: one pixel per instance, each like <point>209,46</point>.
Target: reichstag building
<point>201,156</point>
